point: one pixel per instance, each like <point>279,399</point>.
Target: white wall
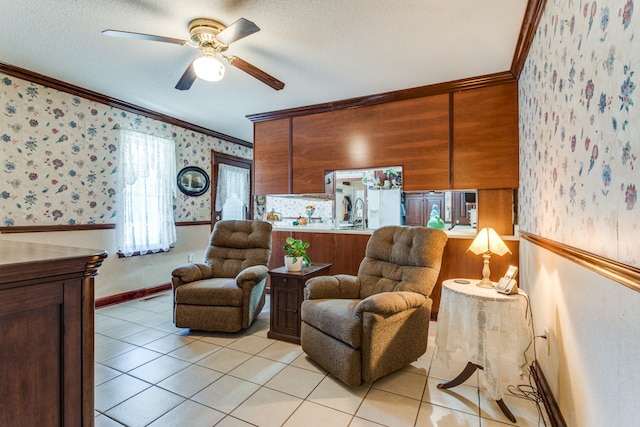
<point>120,275</point>
<point>594,364</point>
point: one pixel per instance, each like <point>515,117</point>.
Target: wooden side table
<point>286,295</point>
<point>491,331</point>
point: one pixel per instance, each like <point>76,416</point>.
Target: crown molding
<point>530,22</point>
<point>21,73</point>
<point>382,98</point>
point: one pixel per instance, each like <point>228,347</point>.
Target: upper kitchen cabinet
<point>272,167</point>
<point>418,207</point>
<point>485,138</point>
<point>411,133</point>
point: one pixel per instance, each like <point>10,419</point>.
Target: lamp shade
<point>208,68</point>
<point>488,241</point>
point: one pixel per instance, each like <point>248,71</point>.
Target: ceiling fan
<point>213,38</point>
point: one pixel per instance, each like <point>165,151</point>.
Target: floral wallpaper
<point>289,209</point>
<point>58,156</point>
<point>580,128</point>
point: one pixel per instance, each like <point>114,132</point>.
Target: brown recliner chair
<point>367,326</point>
<point>227,291</point>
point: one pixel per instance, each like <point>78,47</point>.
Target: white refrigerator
<point>383,207</point>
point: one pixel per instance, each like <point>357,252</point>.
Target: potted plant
<point>296,253</point>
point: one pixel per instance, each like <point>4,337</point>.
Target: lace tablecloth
<point>489,328</point>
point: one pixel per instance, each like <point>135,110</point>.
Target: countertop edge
<point>304,229</point>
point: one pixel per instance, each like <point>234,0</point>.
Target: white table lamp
<point>487,242</point>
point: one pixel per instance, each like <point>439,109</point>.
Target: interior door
<point>231,184</point>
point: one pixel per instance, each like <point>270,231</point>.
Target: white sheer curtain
<point>146,188</point>
<point>232,191</point>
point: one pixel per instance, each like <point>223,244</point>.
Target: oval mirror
<point>193,181</point>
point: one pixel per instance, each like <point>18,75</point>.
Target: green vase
<point>436,222</point>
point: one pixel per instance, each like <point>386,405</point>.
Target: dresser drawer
<point>287,281</point>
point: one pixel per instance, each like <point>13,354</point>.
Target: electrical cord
<point>532,336</point>
<point>529,391</point>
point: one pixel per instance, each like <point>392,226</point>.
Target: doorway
<point>231,187</point>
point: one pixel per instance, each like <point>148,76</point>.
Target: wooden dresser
<point>46,345</point>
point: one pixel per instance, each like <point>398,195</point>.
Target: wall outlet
<point>547,335</point>
<point>191,257</point>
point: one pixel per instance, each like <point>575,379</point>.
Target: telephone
<point>508,285</point>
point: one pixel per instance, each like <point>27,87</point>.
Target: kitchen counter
<point>320,228</point>
<point>345,249</point>
<point>458,232</point>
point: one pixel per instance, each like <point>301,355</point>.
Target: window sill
<point>138,253</point>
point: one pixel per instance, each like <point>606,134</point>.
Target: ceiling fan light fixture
<point>208,68</point>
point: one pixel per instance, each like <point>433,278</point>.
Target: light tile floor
<point>150,373</point>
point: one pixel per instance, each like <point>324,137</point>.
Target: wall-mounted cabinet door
<point>414,207</point>
<point>418,207</point>
<point>485,138</point>
<point>433,199</point>
<point>271,157</point>
<point>411,133</point>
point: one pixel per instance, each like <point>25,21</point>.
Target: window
<point>146,173</point>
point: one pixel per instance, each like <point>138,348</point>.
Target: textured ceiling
<point>323,50</point>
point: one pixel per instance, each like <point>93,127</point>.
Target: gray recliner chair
<point>361,328</point>
<point>227,291</point>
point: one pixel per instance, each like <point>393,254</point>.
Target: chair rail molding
<point>617,271</point>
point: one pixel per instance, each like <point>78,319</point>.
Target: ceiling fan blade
<point>140,36</point>
<point>187,78</point>
<point>239,29</point>
<point>255,72</point>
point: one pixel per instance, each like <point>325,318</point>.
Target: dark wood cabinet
<point>348,253</point>
<point>418,207</point>
<point>484,145</point>
<point>278,239</point>
<point>321,246</point>
<point>46,316</point>
<point>496,209</point>
<point>413,133</point>
<point>433,199</point>
<point>414,208</point>
<point>287,294</point>
<point>462,139</point>
<point>271,157</point>
<point>344,251</point>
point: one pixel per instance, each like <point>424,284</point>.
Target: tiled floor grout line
<point>369,386</point>
<point>144,316</point>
